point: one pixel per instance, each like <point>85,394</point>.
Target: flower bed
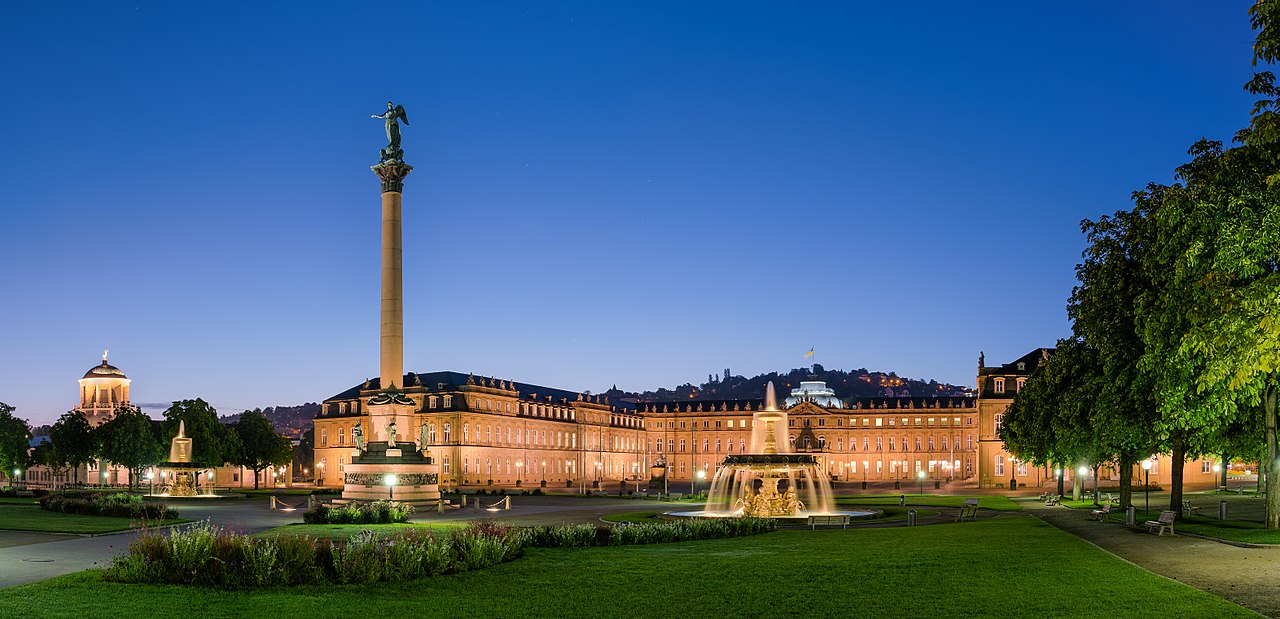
<point>204,554</point>
<point>377,512</point>
<point>118,504</point>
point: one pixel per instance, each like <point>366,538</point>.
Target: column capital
<point>392,173</point>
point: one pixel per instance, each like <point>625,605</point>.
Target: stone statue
<point>422,438</point>
<point>393,114</point>
<point>357,435</point>
<point>391,434</point>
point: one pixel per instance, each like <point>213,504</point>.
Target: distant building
<point>815,391</point>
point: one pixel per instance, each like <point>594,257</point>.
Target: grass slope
<point>15,517</point>
<point>1001,567</point>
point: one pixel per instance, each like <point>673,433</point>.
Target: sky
<point>639,194</point>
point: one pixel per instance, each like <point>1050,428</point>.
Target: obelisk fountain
<point>390,465</point>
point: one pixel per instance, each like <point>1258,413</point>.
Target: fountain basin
<point>853,514</point>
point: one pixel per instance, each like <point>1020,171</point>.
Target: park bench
<point>1108,498</point>
<point>1101,514</point>
<point>1189,509</point>
<point>1164,522</point>
<point>1053,499</point>
<point>25,493</point>
<point>968,510</point>
<point>842,520</point>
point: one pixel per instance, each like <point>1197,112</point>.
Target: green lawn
<point>996,502</point>
<point>343,531</point>
<point>1234,530</point>
<point>16,517</point>
<point>996,568</point>
<point>632,517</point>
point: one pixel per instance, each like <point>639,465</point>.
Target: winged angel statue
<point>392,116</point>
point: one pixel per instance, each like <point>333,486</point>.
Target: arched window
<point>466,438</point>
<point>999,385</point>
<point>431,433</point>
<point>1021,382</point>
<point>822,442</point>
<point>446,460</point>
<point>742,444</point>
<point>446,432</point>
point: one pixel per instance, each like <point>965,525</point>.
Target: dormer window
<point>1022,367</point>
<point>1021,382</point>
<point>999,385</point>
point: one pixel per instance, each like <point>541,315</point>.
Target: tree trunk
<point>255,478</point>
<point>1095,483</point>
<point>1176,461</point>
<point>1076,485</point>
<point>1272,518</point>
<point>1126,481</point>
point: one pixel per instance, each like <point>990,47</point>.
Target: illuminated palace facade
<point>487,432</point>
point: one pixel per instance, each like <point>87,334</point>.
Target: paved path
<point>1247,576</point>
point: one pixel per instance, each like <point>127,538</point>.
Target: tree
<point>261,446</point>
<point>129,439</point>
<point>304,455</point>
<point>1103,310</point>
<point>45,454</point>
<point>1050,420</point>
<point>15,440</point>
<point>213,442</point>
<point>74,441</point>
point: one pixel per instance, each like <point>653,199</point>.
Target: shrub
<point>118,504</point>
<point>378,512</point>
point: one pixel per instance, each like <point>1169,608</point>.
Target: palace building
<point>490,432</point>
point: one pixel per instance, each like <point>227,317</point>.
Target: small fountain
<point>751,484</point>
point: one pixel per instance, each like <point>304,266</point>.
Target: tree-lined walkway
<point>1247,576</point>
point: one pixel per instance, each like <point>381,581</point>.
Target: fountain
<point>752,484</point>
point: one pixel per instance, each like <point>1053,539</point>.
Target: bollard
<point>273,503</point>
<point>902,500</point>
<point>1130,516</point>
<point>1222,510</point>
<point>311,502</point>
<point>506,503</point>
<point>440,506</point>
<point>911,518</point>
<point>464,499</point>
<point>477,504</point>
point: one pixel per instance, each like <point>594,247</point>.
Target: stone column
<point>391,345</point>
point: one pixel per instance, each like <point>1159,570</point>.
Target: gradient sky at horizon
<point>638,194</point>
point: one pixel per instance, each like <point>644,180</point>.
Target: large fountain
<point>767,483</point>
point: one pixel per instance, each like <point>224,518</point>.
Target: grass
<point>1020,564</point>
<point>344,531</point>
<point>632,517</point>
<point>1235,530</point>
<point>995,502</point>
<point>17,517</point>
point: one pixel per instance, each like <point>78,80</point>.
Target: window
<point>742,444</point>
<point>879,421</point>
<point>705,445</point>
<point>931,448</point>
<point>324,437</point>
<point>466,465</point>
<point>969,442</point>
<point>999,465</point>
<point>508,435</point>
<point>999,385</point>
<point>879,446</point>
<point>488,434</point>
<point>891,421</point>
<point>446,432</point>
<point>431,433</point>
<point>944,443</point>
<point>1021,382</point>
<point>999,422</point>
<point>840,444</point>
<point>466,438</point>
<point>1206,467</point>
<point>1022,468</point>
<point>681,444</point>
<point>891,448</point>
<point>342,435</point>
<point>917,445</point>
<point>865,444</point>
<point>447,401</point>
<point>717,445</point>
<point>446,461</point>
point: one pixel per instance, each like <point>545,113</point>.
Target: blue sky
<point>630,193</point>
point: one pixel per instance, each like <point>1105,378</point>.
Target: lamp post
<point>320,474</point>
<point>390,480</point>
<point>1146,484</point>
<point>699,476</point>
<point>1217,468</point>
<point>151,479</point>
<point>1084,476</point>
<point>519,465</point>
<point>544,472</point>
<point>920,475</point>
<point>1013,472</point>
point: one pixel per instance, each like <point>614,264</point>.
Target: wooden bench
<point>968,510</point>
<point>1053,499</point>
<point>1188,509</point>
<point>1108,498</point>
<point>842,520</point>
<point>1101,514</point>
<point>1164,522</point>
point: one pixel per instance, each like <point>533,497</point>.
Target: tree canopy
<point>261,445</point>
<point>15,440</point>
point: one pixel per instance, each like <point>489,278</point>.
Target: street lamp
<point>151,479</point>
<point>544,473</point>
<point>1013,472</point>
<point>320,473</point>
<point>519,465</point>
<point>390,480</point>
<point>920,475</point>
<point>1146,468</point>
<point>700,475</point>
<point>1084,475</point>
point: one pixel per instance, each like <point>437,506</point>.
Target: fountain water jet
<point>751,484</point>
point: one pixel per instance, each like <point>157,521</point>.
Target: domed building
<point>815,391</point>
<point>103,389</point>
